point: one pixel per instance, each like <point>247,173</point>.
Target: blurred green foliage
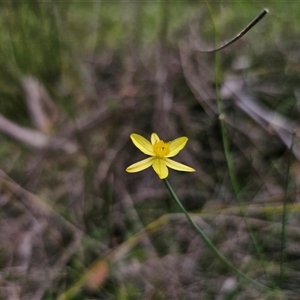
<point>76,49</point>
<point>52,39</point>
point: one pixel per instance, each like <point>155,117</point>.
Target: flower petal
<point>160,168</point>
<point>177,145</point>
<point>141,165</point>
<point>154,138</point>
<point>177,166</point>
<point>142,144</point>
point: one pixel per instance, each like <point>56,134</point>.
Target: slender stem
<point>210,245</point>
<point>284,213</point>
<point>242,33</point>
<point>225,140</point>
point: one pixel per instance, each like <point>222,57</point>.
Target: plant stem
<point>210,245</point>
<point>225,140</point>
<point>284,213</point>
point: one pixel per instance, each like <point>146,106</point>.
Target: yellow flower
<point>160,152</point>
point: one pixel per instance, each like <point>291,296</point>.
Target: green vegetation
<point>77,78</point>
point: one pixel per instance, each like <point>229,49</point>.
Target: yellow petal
<point>177,166</point>
<point>154,138</point>
<point>177,145</point>
<point>160,168</point>
<point>141,165</point>
<point>142,144</point>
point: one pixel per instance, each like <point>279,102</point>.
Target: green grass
<point>132,66</point>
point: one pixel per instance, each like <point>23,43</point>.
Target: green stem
<point>228,157</point>
<point>210,245</point>
<point>284,213</point>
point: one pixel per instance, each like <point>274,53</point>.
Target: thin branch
<point>241,34</point>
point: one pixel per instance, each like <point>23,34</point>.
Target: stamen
<point>161,149</point>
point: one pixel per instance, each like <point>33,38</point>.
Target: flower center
<point>161,149</point>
